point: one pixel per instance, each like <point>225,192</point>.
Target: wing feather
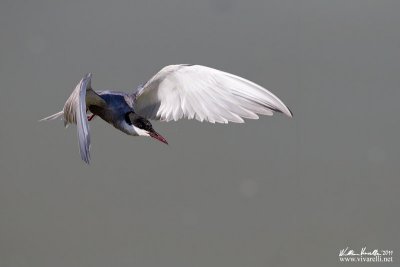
<point>203,93</point>
<point>75,109</point>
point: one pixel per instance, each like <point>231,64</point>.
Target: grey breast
<point>116,107</point>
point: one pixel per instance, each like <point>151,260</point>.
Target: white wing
<point>75,112</point>
<point>203,93</point>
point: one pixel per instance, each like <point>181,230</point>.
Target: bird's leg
<point>91,117</point>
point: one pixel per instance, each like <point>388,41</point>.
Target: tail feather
<point>54,116</point>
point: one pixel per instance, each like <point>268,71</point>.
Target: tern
<point>175,92</point>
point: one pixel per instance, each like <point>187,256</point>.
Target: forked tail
<point>54,116</point>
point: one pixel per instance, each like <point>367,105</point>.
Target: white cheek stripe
<point>140,132</point>
<point>131,129</point>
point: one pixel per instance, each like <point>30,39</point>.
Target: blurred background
<point>271,192</point>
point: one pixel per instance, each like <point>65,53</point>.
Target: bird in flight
<point>175,92</point>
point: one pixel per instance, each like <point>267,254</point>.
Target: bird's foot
<point>91,117</point>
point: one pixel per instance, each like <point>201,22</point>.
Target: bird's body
<point>115,109</point>
<point>175,92</point>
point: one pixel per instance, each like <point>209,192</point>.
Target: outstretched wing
<point>203,93</point>
<point>75,112</point>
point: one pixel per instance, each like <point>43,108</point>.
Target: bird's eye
<point>142,124</point>
<point>139,122</point>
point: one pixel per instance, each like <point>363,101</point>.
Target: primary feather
<point>203,93</point>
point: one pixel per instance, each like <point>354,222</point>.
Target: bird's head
<point>143,127</point>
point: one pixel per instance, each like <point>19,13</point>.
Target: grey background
<point>272,192</point>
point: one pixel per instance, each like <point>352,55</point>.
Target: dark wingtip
<point>291,113</point>
<point>86,159</point>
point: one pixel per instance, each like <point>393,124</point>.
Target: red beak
<point>158,136</point>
